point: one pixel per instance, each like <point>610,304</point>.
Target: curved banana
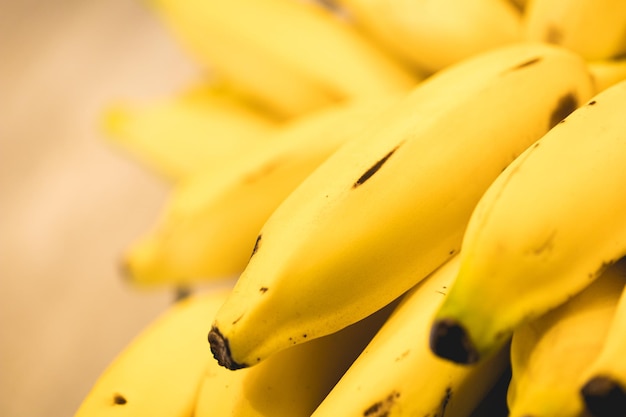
<point>159,372</point>
<point>604,384</point>
<point>290,55</point>
<point>210,225</point>
<point>543,231</point>
<point>179,136</point>
<point>397,375</point>
<point>592,28</point>
<point>431,35</point>
<point>391,205</point>
<point>607,72</point>
<point>550,353</point>
<point>290,384</point>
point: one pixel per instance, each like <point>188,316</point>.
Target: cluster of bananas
<point>419,206</point>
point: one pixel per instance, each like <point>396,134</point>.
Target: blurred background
<point>70,203</point>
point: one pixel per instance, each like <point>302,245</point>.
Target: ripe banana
<point>604,383</point>
<point>550,353</point>
<point>595,29</point>
<point>391,205</point>
<point>178,136</point>
<point>545,229</point>
<point>290,55</point>
<point>290,384</point>
<point>431,35</point>
<point>607,72</point>
<point>397,375</point>
<point>159,372</point>
<point>210,224</point>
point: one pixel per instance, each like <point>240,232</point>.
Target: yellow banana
<point>607,72</point>
<point>604,382</point>
<point>159,372</point>
<point>592,28</point>
<point>391,205</point>
<point>290,384</point>
<point>178,136</point>
<point>290,55</point>
<point>210,224</point>
<point>545,229</point>
<point>397,375</point>
<point>550,353</point>
<point>431,35</point>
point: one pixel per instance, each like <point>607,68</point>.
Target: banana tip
<point>221,350</point>
<point>604,397</point>
<point>449,340</point>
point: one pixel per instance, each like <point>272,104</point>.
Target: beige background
<point>69,203</point>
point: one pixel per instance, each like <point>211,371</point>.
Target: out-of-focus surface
<point>70,203</point>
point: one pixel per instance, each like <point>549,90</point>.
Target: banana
<point>397,375</point>
<point>209,226</point>
<point>595,29</point>
<point>550,353</point>
<point>431,35</point>
<point>159,372</point>
<point>391,205</point>
<point>607,72</point>
<point>603,387</point>
<point>290,384</point>
<point>178,136</point>
<point>290,55</point>
<point>543,231</point>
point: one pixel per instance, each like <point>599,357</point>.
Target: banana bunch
<point>419,206</point>
<point>391,205</point>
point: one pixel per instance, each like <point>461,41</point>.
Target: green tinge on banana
<point>543,231</point>
<point>209,227</point>
<point>293,56</point>
<point>392,204</point>
<point>199,128</point>
<point>550,354</point>
<point>397,375</point>
<point>594,29</point>
<point>159,372</point>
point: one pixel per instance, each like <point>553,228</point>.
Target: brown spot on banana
<point>119,399</point>
<point>553,35</point>
<point>374,168</point>
<point>566,104</point>
<point>382,408</point>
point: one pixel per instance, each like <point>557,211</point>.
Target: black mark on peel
<point>567,104</point>
<point>263,290</point>
<point>382,408</point>
<point>237,319</point>
<point>591,103</point>
<point>257,243</point>
<point>221,350</point>
<point>444,402</point>
<point>373,169</point>
<point>119,399</point>
<point>527,63</point>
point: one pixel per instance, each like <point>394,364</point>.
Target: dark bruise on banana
<point>566,105</point>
